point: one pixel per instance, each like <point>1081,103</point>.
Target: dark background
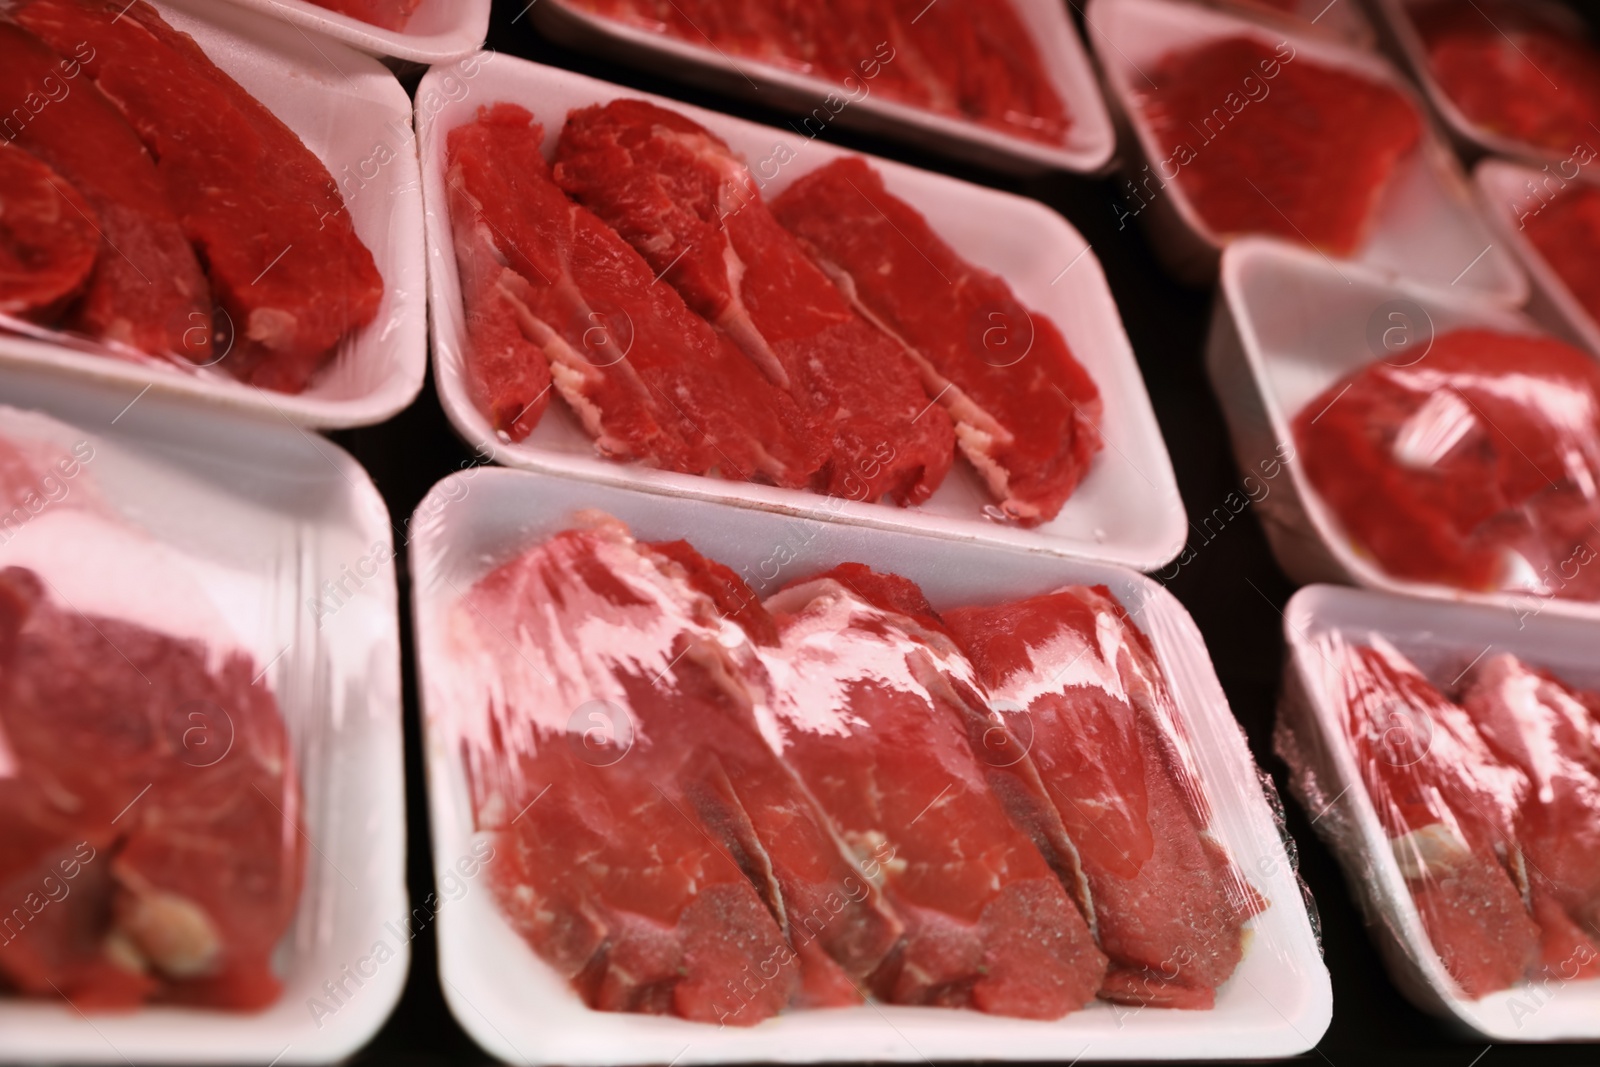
<point>1372,1023</point>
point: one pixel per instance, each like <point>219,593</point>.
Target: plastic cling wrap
<point>731,792</point>
<point>1455,768</point>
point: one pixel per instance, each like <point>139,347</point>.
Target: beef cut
<point>1026,413</point>
<point>876,710</point>
<point>550,289</point>
<point>48,237</point>
<point>146,290</point>
<point>266,216</point>
<point>661,857</point>
<point>187,860</point>
<point>679,195</point>
<point>1085,700</point>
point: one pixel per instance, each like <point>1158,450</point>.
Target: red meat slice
<point>680,196</point>
<point>1513,71</point>
<point>387,14</point>
<point>1026,413</point>
<point>1086,700</point>
<point>1447,804</point>
<point>619,640</point>
<point>874,711</point>
<point>646,376</point>
<point>1306,161</point>
<point>48,237</point>
<point>264,213</point>
<point>147,290</point>
<point>188,860</point>
<point>1477,466</point>
<point>1566,231</point>
<point>1536,724</point>
<point>985,52</point>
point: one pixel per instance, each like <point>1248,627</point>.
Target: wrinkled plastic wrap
<point>727,795</point>
<point>1464,769</point>
<point>193,736</point>
<point>233,309</point>
<point>1473,464</point>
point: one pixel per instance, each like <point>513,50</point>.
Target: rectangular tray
<point>1430,634</point>
<point>1426,225</point>
<point>261,515</point>
<point>1277,1004</point>
<point>1127,510</point>
<point>1091,140</point>
<point>1286,327</point>
<point>354,116</point>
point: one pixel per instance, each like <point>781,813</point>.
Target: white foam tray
<point>252,518</point>
<point>1425,225</point>
<point>1441,640</point>
<point>352,113</point>
<point>439,31</point>
<point>1127,510</point>
<point>1503,189</point>
<point>1402,39</point>
<point>1285,328</point>
<point>1090,143</point>
<point>1277,1004</point>
<point>1344,19</point>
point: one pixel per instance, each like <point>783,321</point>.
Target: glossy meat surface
<point>48,237</point>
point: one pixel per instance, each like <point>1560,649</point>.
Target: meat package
<point>152,849</point>
<point>1248,126</point>
<point>223,241</point>
<point>1565,234</point>
<point>719,806</point>
<point>1479,767</point>
<point>974,779</point>
<point>1516,78</point>
<point>974,59</point>
<point>690,326</point>
<point>1474,464</point>
<point>200,739</point>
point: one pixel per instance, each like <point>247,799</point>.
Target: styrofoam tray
<point>1127,510</point>
<point>439,30</point>
<point>1425,225</point>
<point>1286,327</point>
<point>1090,143</point>
<point>1401,36</point>
<point>252,519</point>
<point>1437,638</point>
<point>1503,189</point>
<point>353,114</point>
<point>1344,19</point>
<point>1277,1004</point>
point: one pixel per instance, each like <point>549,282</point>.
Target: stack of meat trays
<point>199,719</point>
<point>1450,757</point>
<point>710,784</point>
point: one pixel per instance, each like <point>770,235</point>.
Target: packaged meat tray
<point>200,743</point>
<point>413,31</point>
<point>1004,85</point>
<point>1448,757</point>
<point>883,703</point>
<point>1484,473</point>
<point>1245,129</point>
<point>1516,79</point>
<point>251,201</point>
<point>1347,22</point>
<point>901,390</point>
<point>1551,217</point>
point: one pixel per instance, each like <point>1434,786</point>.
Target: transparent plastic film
<point>1480,767</point>
<point>152,841</point>
<point>1473,463</point>
<point>708,803</point>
